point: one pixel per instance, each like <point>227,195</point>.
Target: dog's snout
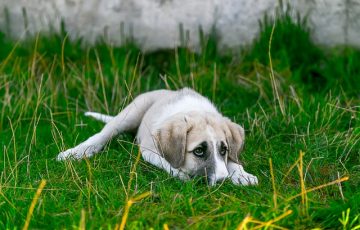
<point>219,173</point>
<point>212,179</point>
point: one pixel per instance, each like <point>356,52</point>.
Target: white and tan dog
<point>179,131</point>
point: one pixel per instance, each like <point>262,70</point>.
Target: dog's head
<point>200,144</point>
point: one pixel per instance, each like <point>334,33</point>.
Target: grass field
<point>300,111</point>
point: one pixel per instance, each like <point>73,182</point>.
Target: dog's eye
<point>223,150</point>
<point>199,152</point>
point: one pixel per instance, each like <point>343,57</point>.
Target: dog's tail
<point>98,116</point>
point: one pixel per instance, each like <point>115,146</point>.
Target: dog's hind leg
<point>127,120</point>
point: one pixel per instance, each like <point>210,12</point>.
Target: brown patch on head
<point>171,140</point>
<point>235,137</point>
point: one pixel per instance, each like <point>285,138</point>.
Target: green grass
<point>46,84</point>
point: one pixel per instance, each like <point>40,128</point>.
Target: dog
<point>180,131</point>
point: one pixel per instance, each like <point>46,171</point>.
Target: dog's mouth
<point>212,173</point>
<point>209,175</point>
<point>215,175</point>
<point>212,180</point>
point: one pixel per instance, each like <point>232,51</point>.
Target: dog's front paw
<point>78,152</point>
<point>244,178</point>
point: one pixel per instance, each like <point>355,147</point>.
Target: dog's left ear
<point>171,140</point>
<point>235,136</point>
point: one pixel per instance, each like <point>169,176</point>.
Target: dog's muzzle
<point>218,174</point>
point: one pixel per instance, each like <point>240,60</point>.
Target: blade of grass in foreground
<point>33,203</point>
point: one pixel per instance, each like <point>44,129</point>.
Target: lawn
<point>300,111</point>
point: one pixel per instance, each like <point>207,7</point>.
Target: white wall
<point>155,24</point>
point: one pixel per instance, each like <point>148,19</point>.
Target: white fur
<point>186,104</point>
<point>239,176</point>
<point>86,149</point>
<point>99,116</point>
<point>220,171</point>
<point>146,115</point>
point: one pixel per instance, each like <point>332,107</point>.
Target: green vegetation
<point>46,84</point>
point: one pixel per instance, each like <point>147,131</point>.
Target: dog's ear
<point>235,136</point>
<point>171,140</point>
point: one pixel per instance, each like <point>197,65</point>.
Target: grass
<point>305,154</point>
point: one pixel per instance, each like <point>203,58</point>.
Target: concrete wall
<point>155,24</point>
